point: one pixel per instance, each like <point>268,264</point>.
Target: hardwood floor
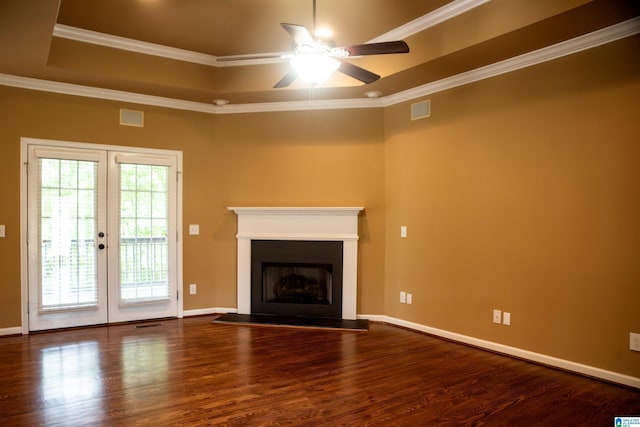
<point>193,372</point>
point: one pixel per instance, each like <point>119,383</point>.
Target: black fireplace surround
<point>296,278</point>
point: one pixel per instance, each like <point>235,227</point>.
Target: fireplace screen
<point>297,283</point>
<point>296,278</point>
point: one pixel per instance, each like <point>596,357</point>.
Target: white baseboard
<point>205,311</point>
<point>11,331</point>
<point>476,342</point>
<point>186,313</point>
<point>513,351</point>
<point>374,317</point>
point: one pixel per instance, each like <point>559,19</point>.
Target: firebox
<point>296,278</point>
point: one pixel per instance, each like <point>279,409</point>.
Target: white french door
<point>142,237</point>
<point>102,236</point>
<point>67,213</point>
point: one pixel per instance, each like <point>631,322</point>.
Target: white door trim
<point>24,267</point>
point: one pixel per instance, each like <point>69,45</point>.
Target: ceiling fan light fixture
<point>324,33</point>
<point>313,65</point>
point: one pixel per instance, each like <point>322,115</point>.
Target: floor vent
<point>148,325</point>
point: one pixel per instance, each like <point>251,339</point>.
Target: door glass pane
<point>67,230</point>
<point>144,246</point>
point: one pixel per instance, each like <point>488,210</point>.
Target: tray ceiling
<point>170,48</point>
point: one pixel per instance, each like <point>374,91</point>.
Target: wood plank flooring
<point>192,372</point>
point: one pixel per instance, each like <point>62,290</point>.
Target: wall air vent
<point>132,118</point>
<point>420,110</point>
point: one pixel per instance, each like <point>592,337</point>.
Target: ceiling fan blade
<point>358,73</point>
<point>289,78</point>
<point>378,48</point>
<point>300,34</point>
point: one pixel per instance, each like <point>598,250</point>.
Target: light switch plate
<point>506,318</point>
<point>2,231</point>
<point>497,316</point>
<point>634,341</point>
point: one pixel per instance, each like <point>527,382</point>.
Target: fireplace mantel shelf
<point>296,210</point>
<point>298,223</point>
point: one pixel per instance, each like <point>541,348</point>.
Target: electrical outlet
<point>409,298</point>
<point>403,297</point>
<point>506,318</point>
<point>2,231</point>
<point>194,229</point>
<point>634,341</point>
<point>403,231</point>
<point>193,289</point>
<point>497,316</point>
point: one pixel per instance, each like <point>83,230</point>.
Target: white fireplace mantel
<point>293,223</point>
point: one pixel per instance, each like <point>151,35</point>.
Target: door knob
<point>101,234</point>
<point>101,246</point>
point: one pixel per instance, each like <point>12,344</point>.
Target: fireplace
<point>300,276</point>
<point>296,278</point>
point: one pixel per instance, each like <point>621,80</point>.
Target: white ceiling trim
<point>578,44</point>
<point>123,43</point>
<point>575,45</point>
<point>431,19</point>
<point>436,17</point>
<point>177,104</point>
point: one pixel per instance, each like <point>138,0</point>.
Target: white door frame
<point>24,266</point>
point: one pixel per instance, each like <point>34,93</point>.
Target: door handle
<point>101,246</point>
<point>101,234</point>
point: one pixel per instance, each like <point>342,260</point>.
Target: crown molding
<point>431,19</point>
<point>123,43</point>
<point>177,104</point>
<point>597,38</point>
<point>549,53</point>
<point>145,48</point>
<point>101,93</point>
<point>438,16</point>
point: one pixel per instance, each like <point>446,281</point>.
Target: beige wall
<point>325,158</point>
<point>522,193</point>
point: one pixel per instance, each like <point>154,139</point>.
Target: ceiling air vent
<point>420,110</point>
<point>132,118</point>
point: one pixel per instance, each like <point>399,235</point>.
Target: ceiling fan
<point>314,59</point>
